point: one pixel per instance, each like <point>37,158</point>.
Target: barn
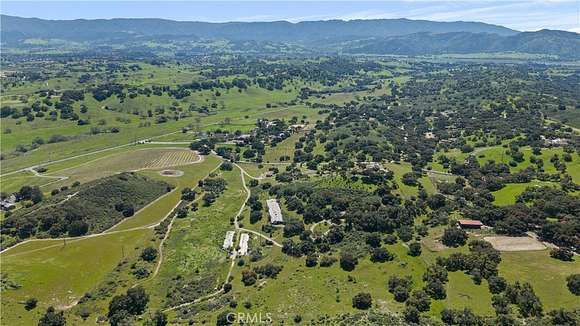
<point>469,224</point>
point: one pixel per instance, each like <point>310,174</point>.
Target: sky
<point>523,15</point>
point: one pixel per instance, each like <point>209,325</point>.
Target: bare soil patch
<point>434,245</point>
<point>171,173</point>
<point>503,243</point>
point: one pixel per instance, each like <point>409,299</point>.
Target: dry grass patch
<point>503,243</point>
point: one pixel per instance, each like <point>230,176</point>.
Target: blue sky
<point>521,15</point>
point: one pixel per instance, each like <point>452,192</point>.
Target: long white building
<point>229,240</point>
<point>244,238</point>
<point>274,211</point>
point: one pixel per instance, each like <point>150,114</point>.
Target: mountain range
<point>379,36</point>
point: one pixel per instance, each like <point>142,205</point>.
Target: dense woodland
<point>81,209</point>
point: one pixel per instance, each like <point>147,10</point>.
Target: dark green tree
<point>362,300</point>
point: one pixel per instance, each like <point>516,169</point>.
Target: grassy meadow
<point>58,272</point>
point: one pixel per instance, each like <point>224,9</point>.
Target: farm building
<point>229,240</point>
<point>243,139</point>
<point>244,238</point>
<point>274,211</point>
<point>374,166</point>
<point>469,224</point>
<point>8,203</point>
<point>296,127</point>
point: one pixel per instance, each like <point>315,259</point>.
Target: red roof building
<point>470,224</point>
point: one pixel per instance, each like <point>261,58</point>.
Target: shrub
<point>562,254</point>
<point>390,239</point>
<point>454,237</point>
<point>381,255</point>
<point>52,318</point>
<point>149,254</point>
<point>268,270</point>
<point>187,194</point>
<point>374,240</point>
<point>158,319</point>
<point>227,166</point>
<point>311,260</point>
<point>181,212</point>
<point>496,284</point>
<point>414,249</point>
<point>436,289</point>
<point>348,262</point>
<point>249,277</point>
<point>420,300</point>
<point>400,287</point>
<point>362,300</point>
<point>293,227</point>
<point>411,315</point>
<point>224,318</point>
<point>401,294</point>
<point>30,303</point>
<point>327,261</point>
<point>123,307</point>
<point>77,228</point>
<point>573,283</point>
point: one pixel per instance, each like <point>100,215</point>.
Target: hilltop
<point>150,37</point>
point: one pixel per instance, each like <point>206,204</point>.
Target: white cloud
<point>519,15</point>
<point>523,15</point>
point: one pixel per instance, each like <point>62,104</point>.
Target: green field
<point>242,112</point>
<point>326,288</point>
<point>134,160</point>
<point>330,288</point>
<point>193,248</point>
<point>284,148</point>
<point>404,190</point>
<point>356,108</point>
<point>60,274</point>
<point>547,276</point>
<point>498,154</point>
<point>508,194</point>
<point>70,269</point>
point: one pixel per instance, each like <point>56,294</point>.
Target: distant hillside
<point>381,36</point>
<point>548,42</point>
<point>82,30</point>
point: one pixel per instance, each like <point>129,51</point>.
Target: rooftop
<point>470,222</point>
<point>229,240</point>
<point>274,211</point>
<point>244,238</point>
